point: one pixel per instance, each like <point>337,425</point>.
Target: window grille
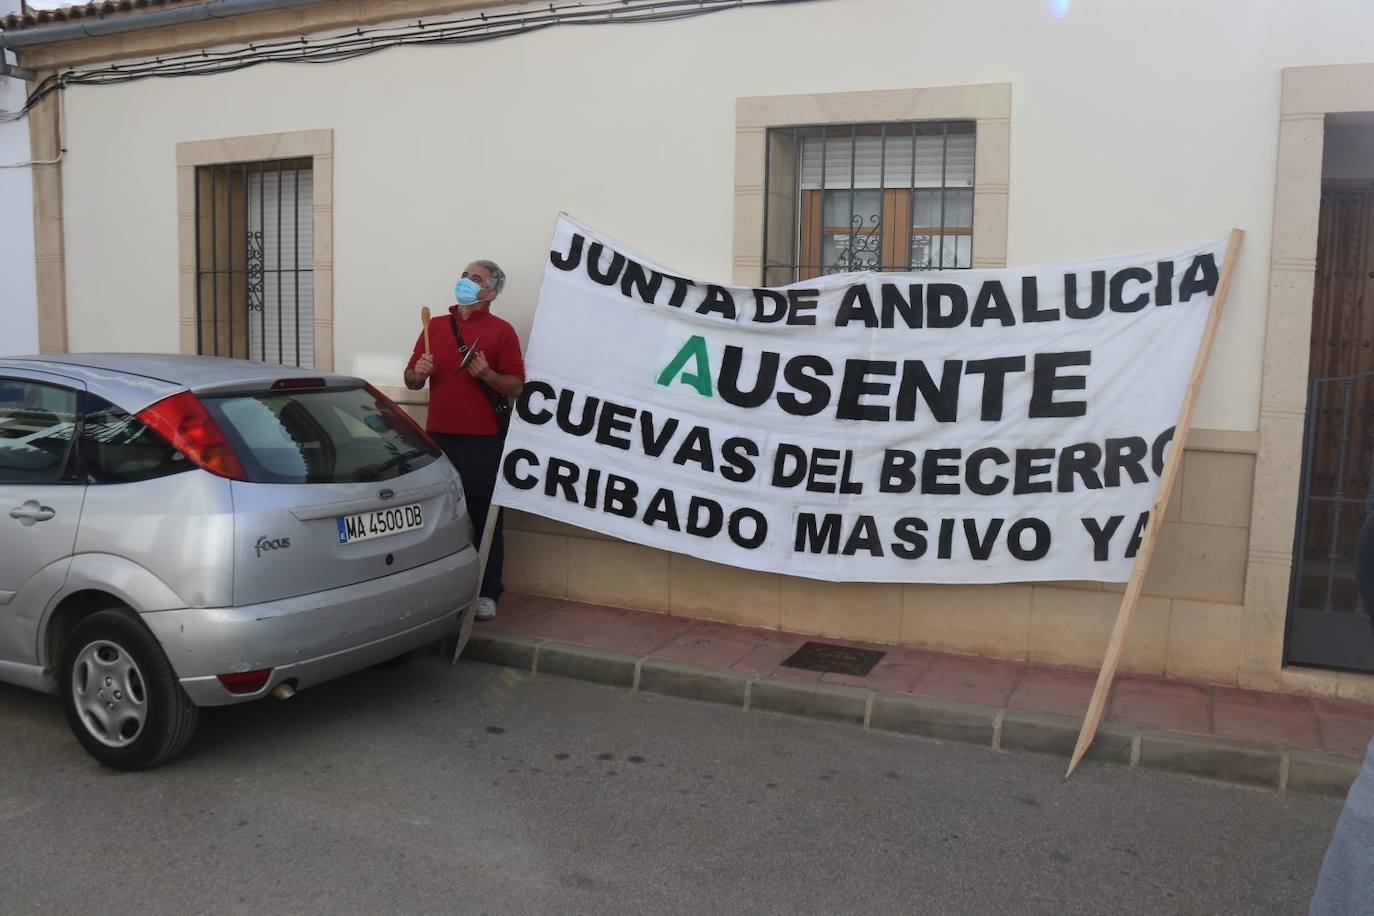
<point>254,257</point>
<point>891,197</point>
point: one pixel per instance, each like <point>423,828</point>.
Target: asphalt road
<point>481,790</point>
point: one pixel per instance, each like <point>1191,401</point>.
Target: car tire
<point>123,700</point>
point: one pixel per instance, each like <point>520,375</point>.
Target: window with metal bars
<point>254,256</point>
<point>850,197</point>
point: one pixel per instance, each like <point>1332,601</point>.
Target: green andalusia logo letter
<point>700,377</point>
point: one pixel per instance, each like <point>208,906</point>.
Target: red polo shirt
<point>456,402</point>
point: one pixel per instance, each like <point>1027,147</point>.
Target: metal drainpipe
<point>131,22</point>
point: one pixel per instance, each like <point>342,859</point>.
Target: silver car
<point>179,532</point>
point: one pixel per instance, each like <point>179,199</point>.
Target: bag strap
<point>494,397</point>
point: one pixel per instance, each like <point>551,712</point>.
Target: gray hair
<point>497,281</point>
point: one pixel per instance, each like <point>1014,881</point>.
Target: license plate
<point>379,524</point>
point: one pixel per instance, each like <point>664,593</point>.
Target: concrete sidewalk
<point>1276,741</point>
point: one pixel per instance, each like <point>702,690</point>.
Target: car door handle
<point>32,512</point>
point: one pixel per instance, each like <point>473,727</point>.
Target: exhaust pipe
<point>284,691</point>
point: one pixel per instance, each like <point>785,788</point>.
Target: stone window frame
<point>986,104</point>
<point>318,145</point>
<point>1309,94</point>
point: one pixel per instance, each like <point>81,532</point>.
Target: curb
<point>694,682</point>
<point>1211,758</point>
<point>810,699</point>
<point>1040,733</point>
<point>933,718</point>
<point>1284,770</point>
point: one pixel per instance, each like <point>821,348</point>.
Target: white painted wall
<point>18,298</point>
<point>1135,126</point>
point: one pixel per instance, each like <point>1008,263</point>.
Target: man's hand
<point>423,369</point>
<point>478,367</point>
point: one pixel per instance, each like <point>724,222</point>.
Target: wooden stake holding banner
<point>484,551</point>
<point>1117,644</point>
<point>424,320</point>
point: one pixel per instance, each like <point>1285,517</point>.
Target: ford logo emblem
<point>385,493</point>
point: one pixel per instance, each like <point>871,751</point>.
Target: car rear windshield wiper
<point>371,471</point>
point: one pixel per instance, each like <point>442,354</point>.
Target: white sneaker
<point>486,609</point>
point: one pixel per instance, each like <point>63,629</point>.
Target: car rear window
<point>336,435</point>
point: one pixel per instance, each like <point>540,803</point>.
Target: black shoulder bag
<point>500,404</point>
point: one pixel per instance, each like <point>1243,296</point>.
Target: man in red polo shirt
<point>462,418</point>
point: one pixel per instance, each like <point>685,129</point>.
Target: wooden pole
<point>483,553</point>
<point>424,320</point>
<point>1117,644</point>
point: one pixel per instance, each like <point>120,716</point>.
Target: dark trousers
<point>477,460</point>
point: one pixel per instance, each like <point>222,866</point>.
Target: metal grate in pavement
<point>834,659</point>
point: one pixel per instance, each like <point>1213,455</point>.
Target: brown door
<point>1327,624</point>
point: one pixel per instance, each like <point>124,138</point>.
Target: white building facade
<point>18,296</point>
<point>1060,131</point>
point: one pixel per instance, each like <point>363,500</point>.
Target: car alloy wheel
<point>122,698</point>
<point>108,690</point>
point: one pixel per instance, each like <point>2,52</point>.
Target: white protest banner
<point>954,426</point>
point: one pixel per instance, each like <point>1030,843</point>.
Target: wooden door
<point>1338,460</point>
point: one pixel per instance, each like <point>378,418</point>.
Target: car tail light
<point>242,682</point>
<point>405,417</point>
<point>188,427</point>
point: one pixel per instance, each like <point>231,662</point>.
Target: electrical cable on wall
<point>362,41</point>
<point>61,142</point>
